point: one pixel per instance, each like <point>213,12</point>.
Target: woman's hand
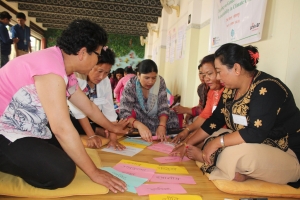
<point>179,109</point>
<point>119,127</point>
<point>94,142</point>
<point>145,132</point>
<point>180,150</point>
<point>111,182</point>
<point>209,149</point>
<point>181,136</point>
<point>115,144</point>
<point>161,133</point>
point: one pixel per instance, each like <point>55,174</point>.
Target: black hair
<point>5,15</point>
<point>119,71</point>
<point>107,56</point>
<point>231,53</point>
<point>128,70</point>
<point>207,59</point>
<point>81,33</point>
<point>21,15</point>
<point>147,66</point>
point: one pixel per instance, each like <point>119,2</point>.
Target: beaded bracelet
<point>187,128</point>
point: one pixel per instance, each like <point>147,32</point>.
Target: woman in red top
<point>210,78</point>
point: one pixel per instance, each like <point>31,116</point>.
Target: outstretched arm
<point>51,90</point>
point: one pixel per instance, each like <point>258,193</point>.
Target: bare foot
<point>240,177</point>
<point>194,153</point>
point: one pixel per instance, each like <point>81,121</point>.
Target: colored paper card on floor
<point>129,151</point>
<point>161,147</point>
<point>131,144</point>
<point>141,164</point>
<point>147,189</point>
<point>131,181</point>
<point>171,170</point>
<point>134,170</point>
<point>137,141</point>
<point>174,197</point>
<point>170,159</point>
<point>170,178</point>
<point>156,138</point>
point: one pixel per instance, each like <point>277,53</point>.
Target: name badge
<point>213,108</point>
<point>238,119</point>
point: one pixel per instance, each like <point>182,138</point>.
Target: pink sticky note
<point>169,159</point>
<point>146,189</point>
<point>156,138</point>
<point>169,178</point>
<point>161,147</point>
<point>133,170</point>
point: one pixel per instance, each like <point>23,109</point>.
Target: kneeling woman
<point>144,103</point>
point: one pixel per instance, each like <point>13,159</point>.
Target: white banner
<point>236,21</point>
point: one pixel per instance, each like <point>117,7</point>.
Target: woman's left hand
<point>209,149</point>
<point>116,145</point>
<point>161,133</point>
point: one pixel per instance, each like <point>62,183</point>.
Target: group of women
<point>248,126</point>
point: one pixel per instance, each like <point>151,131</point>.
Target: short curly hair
<point>81,33</point>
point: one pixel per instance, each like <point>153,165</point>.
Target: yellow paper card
<point>173,197</point>
<point>171,170</point>
<point>141,164</point>
<point>125,143</point>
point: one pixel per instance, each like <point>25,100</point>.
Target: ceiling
<point>115,16</point>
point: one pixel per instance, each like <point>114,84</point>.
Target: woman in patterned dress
<point>263,136</point>
<point>144,103</point>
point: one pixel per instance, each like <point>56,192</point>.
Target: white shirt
<point>104,99</point>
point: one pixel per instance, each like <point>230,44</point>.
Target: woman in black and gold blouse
<point>263,140</point>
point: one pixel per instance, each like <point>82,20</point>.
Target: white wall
<point>279,47</point>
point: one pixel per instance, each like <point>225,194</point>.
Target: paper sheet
<point>134,170</point>
<point>129,151</point>
<point>168,178</point>
<point>141,164</point>
<point>131,144</point>
<point>161,147</point>
<point>170,159</point>
<point>138,141</point>
<point>174,197</point>
<point>171,170</point>
<point>146,189</point>
<point>131,181</point>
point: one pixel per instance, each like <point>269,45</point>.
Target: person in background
<point>144,103</point>
<point>116,76</point>
<point>6,42</point>
<point>192,113</point>
<point>209,75</point>
<point>96,86</point>
<point>37,94</point>
<point>262,140</point>
<point>128,73</point>
<point>22,32</point>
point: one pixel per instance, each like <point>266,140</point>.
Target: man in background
<point>5,41</point>
<point>22,32</point>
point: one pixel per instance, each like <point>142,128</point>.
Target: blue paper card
<point>142,142</point>
<point>131,181</point>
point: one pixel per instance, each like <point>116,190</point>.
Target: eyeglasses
<point>98,54</point>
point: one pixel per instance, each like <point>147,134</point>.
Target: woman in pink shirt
<point>128,73</point>
<point>34,91</point>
